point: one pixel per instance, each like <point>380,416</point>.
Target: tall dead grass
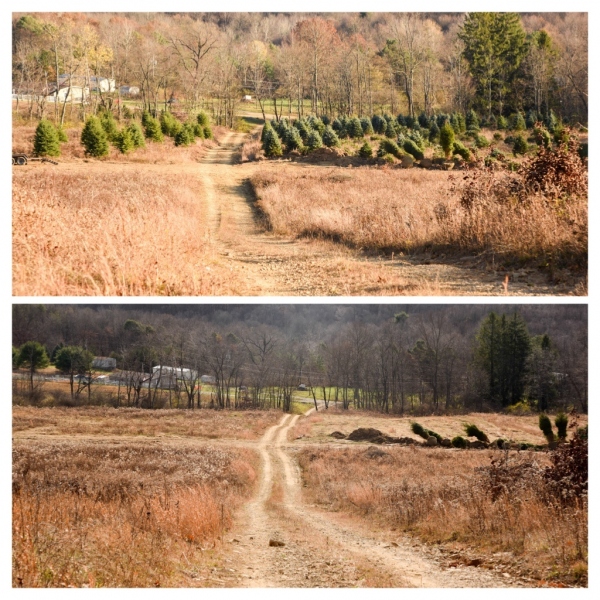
<point>133,233</point>
<point>414,209</point>
<point>205,423</point>
<point>444,496</point>
<point>120,514</point>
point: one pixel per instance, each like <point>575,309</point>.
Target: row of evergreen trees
<point>101,131</point>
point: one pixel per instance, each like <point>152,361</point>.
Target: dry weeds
<point>203,423</point>
<point>138,234</point>
<point>120,514</point>
<point>414,210</point>
<point>442,496</point>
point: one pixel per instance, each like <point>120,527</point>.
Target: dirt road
<point>267,264</point>
<point>281,542</point>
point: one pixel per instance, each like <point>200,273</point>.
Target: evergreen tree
<point>472,121</point>
<point>62,135</point>
<point>494,47</point>
<point>265,131</point>
<point>314,141</point>
<point>169,124</point>
<point>185,135</point>
<point>447,139</point>
<point>390,131</point>
<point>502,123</point>
<point>434,133</point>
<point>367,127</point>
<point>272,144</point>
<point>531,119</point>
<point>32,356</point>
<point>94,138</point>
<point>365,151</point>
<point>73,360</point>
<point>516,122</point>
<point>46,141</point>
<point>354,128</point>
<point>520,145</point>
<point>379,124</point>
<point>110,126</point>
<point>152,129</point>
<point>124,141</point>
<point>411,148</point>
<point>330,138</point>
<point>293,141</point>
<point>424,120</point>
<point>202,119</point>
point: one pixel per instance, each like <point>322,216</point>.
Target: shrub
<point>152,129</point>
<point>326,120</point>
<point>123,141</point>
<point>546,427</point>
<point>272,144</point>
<point>46,141</point>
<point>447,139</point>
<point>473,431</point>
<point>568,474</point>
<point>582,151</point>
<point>481,141</point>
<point>461,150</point>
<point>419,430</point>
<point>389,147</point>
<point>516,122</point>
<point>459,442</point>
<point>497,136</point>
<point>137,136</point>
<point>366,151</point>
<point>330,138</point>
<point>314,141</point>
<point>561,421</point>
<point>411,148</point>
<point>520,145</point>
<point>62,135</point>
<point>541,135</point>
<point>502,122</point>
<point>208,134</point>
<point>94,138</point>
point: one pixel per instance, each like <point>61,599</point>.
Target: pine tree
<point>94,138</point>
<point>169,124</point>
<point>472,121</point>
<point>46,141</point>
<point>520,145</point>
<point>110,126</point>
<point>434,133</point>
<point>198,130</point>
<point>502,123</point>
<point>516,122</point>
<point>152,129</point>
<point>366,151</point>
<point>62,135</point>
<point>447,139</point>
<point>123,141</point>
<point>137,136</point>
<point>379,124</point>
<point>314,141</point>
<point>367,126</point>
<point>390,131</point>
<point>202,119</point>
<point>330,138</point>
<point>272,144</point>
<point>354,128</point>
<point>292,139</point>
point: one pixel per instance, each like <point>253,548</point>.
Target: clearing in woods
<point>252,261</point>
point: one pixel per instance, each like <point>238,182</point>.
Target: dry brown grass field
<point>122,513</point>
<point>169,220</point>
<point>414,210</point>
<point>479,512</point>
<point>102,421</point>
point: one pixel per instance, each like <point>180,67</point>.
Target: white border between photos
<point>6,300</point>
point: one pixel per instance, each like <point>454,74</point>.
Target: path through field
<point>318,550</point>
<point>267,264</point>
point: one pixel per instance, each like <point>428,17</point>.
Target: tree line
<point>322,64</point>
<point>423,359</point>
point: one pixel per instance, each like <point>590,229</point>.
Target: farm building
<point>247,98</point>
<point>129,90</point>
<point>104,362</point>
<point>175,372</point>
<point>75,93</point>
<point>208,379</point>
